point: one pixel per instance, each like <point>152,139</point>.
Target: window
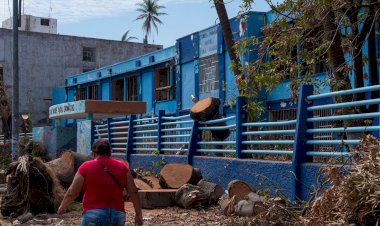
<point>88,54</point>
<point>118,90</point>
<point>165,88</point>
<point>208,74</point>
<point>283,115</point>
<point>81,93</point>
<point>45,22</point>
<point>132,88</point>
<point>93,92</point>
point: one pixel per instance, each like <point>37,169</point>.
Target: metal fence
<point>313,133</point>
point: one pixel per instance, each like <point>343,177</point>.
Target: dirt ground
<point>165,216</point>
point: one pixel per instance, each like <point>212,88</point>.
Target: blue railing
<point>301,138</point>
<point>4,140</point>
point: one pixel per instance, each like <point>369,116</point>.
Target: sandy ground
<point>165,216</point>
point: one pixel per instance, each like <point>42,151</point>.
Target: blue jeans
<point>103,217</point>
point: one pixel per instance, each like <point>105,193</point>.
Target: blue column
<point>159,130</point>
<point>194,137</point>
<point>130,149</point>
<point>301,136</point>
<point>241,117</point>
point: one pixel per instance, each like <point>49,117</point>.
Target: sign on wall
<point>70,108</point>
<point>208,42</point>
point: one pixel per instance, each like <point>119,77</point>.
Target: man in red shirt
<point>103,202</point>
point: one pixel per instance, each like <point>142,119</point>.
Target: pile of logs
<point>177,184</point>
<point>241,200</point>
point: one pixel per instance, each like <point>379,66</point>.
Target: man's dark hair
<point>101,147</point>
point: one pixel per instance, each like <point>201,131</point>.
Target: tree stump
<point>205,109</point>
<point>190,196</point>
<point>63,168</point>
<point>141,185</point>
<point>239,189</point>
<point>212,191</point>
<point>174,175</point>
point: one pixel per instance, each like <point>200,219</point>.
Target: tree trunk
<point>153,182</point>
<point>335,53</point>
<point>190,196</point>
<point>228,38</point>
<point>227,204</point>
<point>174,175</point>
<point>220,135</point>
<point>142,185</point>
<point>239,189</point>
<point>205,109</point>
<point>212,191</point>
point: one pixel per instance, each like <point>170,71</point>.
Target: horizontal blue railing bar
<point>145,137</point>
<point>102,134</point>
<point>270,132</point>
<point>145,131</point>
<point>118,149</point>
<point>175,136</point>
<point>344,105</point>
<point>216,150</point>
<point>105,129</point>
<point>145,125</point>
<point>101,125</point>
<point>176,117</point>
<point>144,143</point>
<point>216,142</point>
<point>118,133</point>
<point>119,122</point>
<point>269,152</point>
<point>281,123</point>
<point>118,144</point>
<point>327,154</point>
<point>344,92</point>
<point>344,117</point>
<point>175,142</point>
<point>269,142</point>
<point>176,129</point>
<point>144,119</point>
<point>343,129</point>
<point>217,127</point>
<point>173,149</point>
<point>177,122</point>
<point>145,149</point>
<point>120,127</point>
<point>119,138</point>
<point>218,120</point>
<point>332,142</point>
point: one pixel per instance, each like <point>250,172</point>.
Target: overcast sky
<point>109,19</point>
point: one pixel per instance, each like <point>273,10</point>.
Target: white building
<point>34,24</point>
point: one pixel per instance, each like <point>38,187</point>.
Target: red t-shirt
<point>100,190</point>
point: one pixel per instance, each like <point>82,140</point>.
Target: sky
<point>110,19</point>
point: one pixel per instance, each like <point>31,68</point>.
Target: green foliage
<point>127,38</point>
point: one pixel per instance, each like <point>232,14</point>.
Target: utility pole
<point>15,67</point>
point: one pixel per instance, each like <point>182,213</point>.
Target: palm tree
<point>127,38</point>
<point>149,10</point>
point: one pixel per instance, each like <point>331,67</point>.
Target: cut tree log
<point>227,204</point>
<point>212,191</point>
<point>153,182</point>
<point>141,185</point>
<point>190,196</point>
<point>63,168</point>
<point>239,189</point>
<point>174,175</point>
<point>205,109</point>
<point>156,198</point>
